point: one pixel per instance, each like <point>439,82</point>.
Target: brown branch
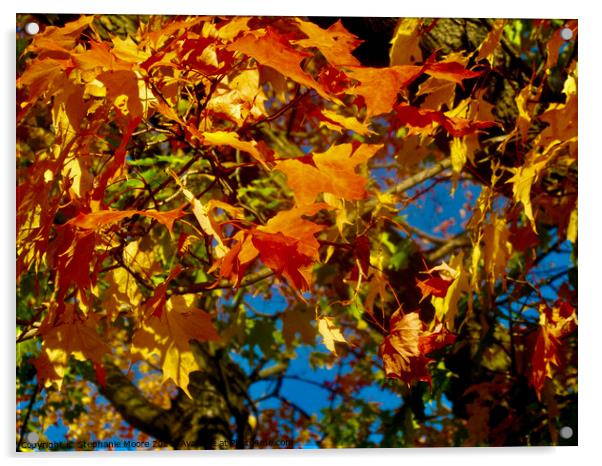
<point>419,177</point>
<point>248,280</point>
<point>413,181</point>
<point>459,242</point>
<point>134,407</point>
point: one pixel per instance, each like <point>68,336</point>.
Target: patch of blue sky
<point>437,206</point>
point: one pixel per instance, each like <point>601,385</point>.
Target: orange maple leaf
<point>379,86</point>
<point>274,50</point>
<point>100,218</point>
<point>331,172</point>
<point>335,43</point>
<point>286,244</point>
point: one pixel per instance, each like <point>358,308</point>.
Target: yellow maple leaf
<point>405,44</point>
<point>523,180</point>
<point>571,233</point>
<point>496,249</point>
<point>168,334</point>
<point>446,307</point>
<point>78,339</point>
<point>330,333</point>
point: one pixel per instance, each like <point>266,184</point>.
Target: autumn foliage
<point>203,201</point>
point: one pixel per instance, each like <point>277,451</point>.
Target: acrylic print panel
<point>295,232</point>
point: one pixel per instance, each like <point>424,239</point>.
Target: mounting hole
<point>566,432</point>
<point>566,34</point>
<point>32,28</point>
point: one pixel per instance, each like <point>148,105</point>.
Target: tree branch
<point>223,284</point>
<point>134,407</point>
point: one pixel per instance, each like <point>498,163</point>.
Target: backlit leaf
<point>330,333</point>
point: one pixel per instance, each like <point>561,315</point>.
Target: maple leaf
<point>459,127</point>
<point>100,57</point>
<point>562,120</point>
<point>496,249</point>
<point>201,212</point>
<point>422,118</point>
<point>39,78</point>
<point>78,339</point>
<point>523,238</point>
<point>292,224</point>
<point>335,43</point>
<point>330,333</point>
<point>554,325</point>
<point>405,44</point>
<point>74,259</point>
<point>236,261</point>
<point>523,180</point>
<point>258,150</point>
<point>446,307</point>
<point>332,172</point>
<point>492,41</point>
<point>280,253</point>
<point>60,39</point>
<point>123,92</point>
<point>556,42</point>
<point>167,217</point>
<point>129,51</point>
<point>437,285</point>
<point>523,120</point>
<point>404,349</point>
<point>286,244</point>
<point>167,334</point>
<point>400,351</point>
<point>451,71</point>
<point>290,256</point>
<point>437,93</point>
<point>435,339</point>
<point>379,86</point>
<point>272,49</point>
<point>458,153</point>
<point>337,122</point>
<point>239,99</point>
<point>100,218</point>
<point>433,285</point>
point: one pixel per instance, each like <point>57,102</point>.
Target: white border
<point>590,398</point>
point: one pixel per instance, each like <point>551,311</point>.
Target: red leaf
<point>421,118</point>
<point>435,340</point>
<point>280,253</point>
<point>101,375</point>
<point>451,71</point>
<point>523,238</point>
<point>554,325</point>
<point>459,127</point>
<point>433,285</point>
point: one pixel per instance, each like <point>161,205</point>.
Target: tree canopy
<point>238,232</point>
